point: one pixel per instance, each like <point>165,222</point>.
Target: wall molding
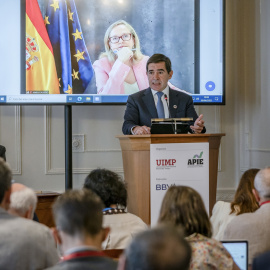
<point>48,164</point>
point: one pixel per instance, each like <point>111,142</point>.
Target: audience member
<point>78,217</point>
<point>23,201</point>
<point>3,152</point>
<point>244,202</point>
<point>24,244</point>
<point>254,227</point>
<point>161,248</point>
<point>262,262</point>
<point>183,206</point>
<point>111,189</point>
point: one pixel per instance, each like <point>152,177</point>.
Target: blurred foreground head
<point>161,248</point>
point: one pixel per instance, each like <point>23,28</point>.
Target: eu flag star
<point>79,55</point>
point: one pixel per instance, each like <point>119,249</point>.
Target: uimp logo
<point>197,160</point>
<point>165,162</point>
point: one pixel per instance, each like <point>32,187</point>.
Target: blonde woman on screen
<point>121,69</point>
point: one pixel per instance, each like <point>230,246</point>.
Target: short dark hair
<point>78,212</point>
<point>161,248</point>
<point>5,178</point>
<point>108,186</point>
<point>184,206</point>
<point>157,58</point>
<point>3,152</point>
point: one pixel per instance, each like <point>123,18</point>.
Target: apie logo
<point>197,160</point>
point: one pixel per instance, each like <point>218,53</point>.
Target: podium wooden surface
<point>136,162</point>
<point>44,207</point>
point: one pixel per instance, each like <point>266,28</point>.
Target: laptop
<point>239,251</point>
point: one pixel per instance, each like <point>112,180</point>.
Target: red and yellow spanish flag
<point>41,75</point>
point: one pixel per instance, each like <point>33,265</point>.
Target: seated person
<point>254,227</point>
<point>262,262</point>
<point>161,248</point>
<point>111,189</point>
<point>24,244</point>
<point>244,202</point>
<point>183,206</point>
<point>3,152</point>
<point>23,201</point>
<point>78,218</point>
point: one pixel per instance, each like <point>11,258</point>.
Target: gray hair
<point>262,183</point>
<point>108,52</point>
<point>22,200</point>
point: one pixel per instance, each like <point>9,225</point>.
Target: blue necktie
<point>160,107</point>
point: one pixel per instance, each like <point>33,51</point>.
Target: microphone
<point>173,126</point>
<point>166,98</point>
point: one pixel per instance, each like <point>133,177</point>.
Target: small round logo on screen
<point>210,86</point>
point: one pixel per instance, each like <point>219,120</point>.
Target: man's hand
<point>198,125</point>
<point>141,130</point>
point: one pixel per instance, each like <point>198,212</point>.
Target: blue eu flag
<point>73,64</point>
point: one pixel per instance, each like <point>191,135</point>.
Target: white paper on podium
<point>185,164</point>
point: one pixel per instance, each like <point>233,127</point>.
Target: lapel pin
<point>174,106</point>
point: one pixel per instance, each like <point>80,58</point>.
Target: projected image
<point>101,47</point>
<point>95,51</point>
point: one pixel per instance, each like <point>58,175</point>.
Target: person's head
<point>244,200</point>
<point>129,38</point>
<point>78,217</point>
<point>5,184</point>
<point>159,71</point>
<point>184,206</point>
<point>262,185</point>
<point>23,201</point>
<point>108,186</point>
<point>3,152</point>
<point>161,248</point>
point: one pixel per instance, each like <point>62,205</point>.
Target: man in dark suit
<point>144,105</point>
<point>78,216</point>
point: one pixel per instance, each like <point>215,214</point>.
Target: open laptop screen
<point>239,252</point>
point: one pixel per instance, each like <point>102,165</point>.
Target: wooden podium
<point>136,162</point>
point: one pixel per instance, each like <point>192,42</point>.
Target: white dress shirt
<point>165,103</point>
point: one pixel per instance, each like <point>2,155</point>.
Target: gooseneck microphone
<point>166,98</point>
<point>173,126</point>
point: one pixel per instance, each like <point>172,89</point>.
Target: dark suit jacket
<point>262,262</point>
<point>141,108</point>
<point>86,263</point>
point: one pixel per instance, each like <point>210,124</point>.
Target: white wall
<point>34,135</point>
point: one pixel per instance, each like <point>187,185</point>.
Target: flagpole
<point>68,147</point>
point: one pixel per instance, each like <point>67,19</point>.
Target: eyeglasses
<point>124,37</point>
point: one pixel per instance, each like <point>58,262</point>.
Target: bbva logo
<point>163,186</point>
<point>165,162</point>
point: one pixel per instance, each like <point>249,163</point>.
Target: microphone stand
<point>175,125</point>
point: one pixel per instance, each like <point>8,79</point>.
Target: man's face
<point>158,76</point>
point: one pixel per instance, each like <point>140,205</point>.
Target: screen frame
<point>196,63</point>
